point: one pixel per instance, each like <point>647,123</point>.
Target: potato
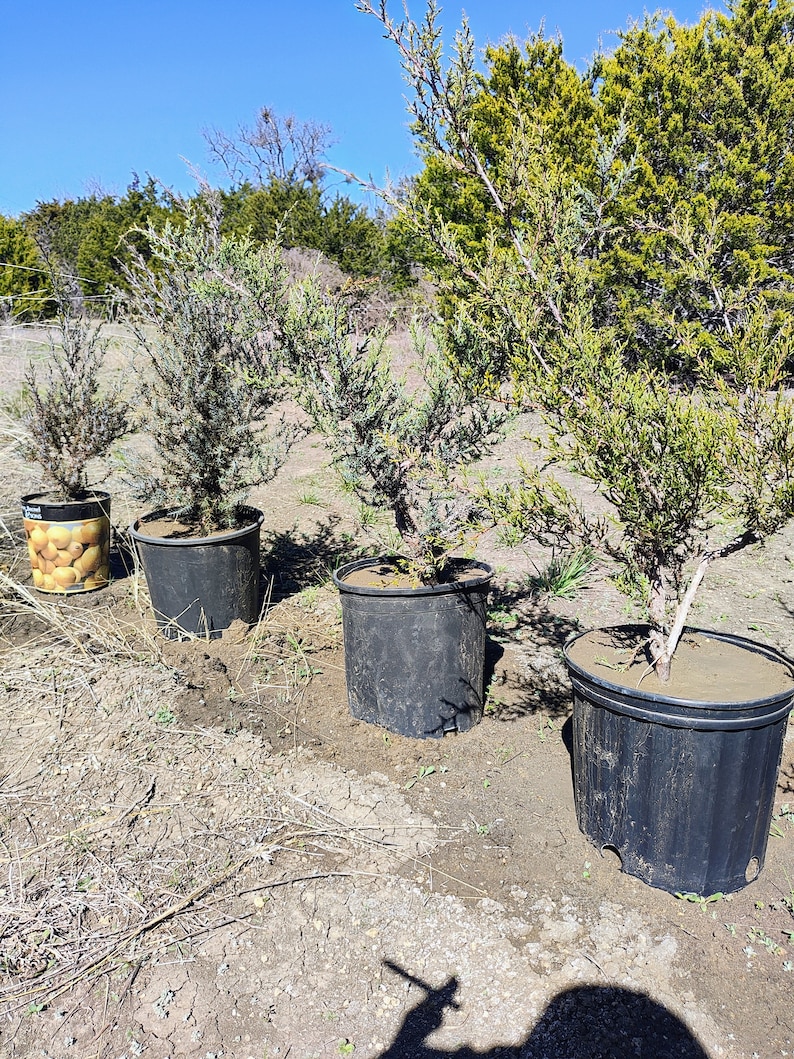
<point>49,551</point>
<point>89,560</point>
<point>75,549</point>
<point>63,576</point>
<point>92,532</point>
<point>60,536</point>
<point>63,559</point>
<point>39,538</point>
<point>48,583</point>
<point>38,578</point>
<point>34,556</point>
<point>47,565</point>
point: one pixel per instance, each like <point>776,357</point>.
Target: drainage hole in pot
<point>753,869</point>
<point>613,855</point>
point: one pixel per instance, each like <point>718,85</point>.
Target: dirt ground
<point>204,855</point>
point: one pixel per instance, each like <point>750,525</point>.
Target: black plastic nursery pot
<point>200,585</point>
<point>414,656</point>
<point>68,541</point>
<point>682,789</point>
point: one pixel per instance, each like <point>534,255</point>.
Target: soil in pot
<point>679,779</point>
<point>68,541</point>
<point>199,585</point>
<point>414,655</point>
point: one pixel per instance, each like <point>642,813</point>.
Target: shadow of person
<point>605,1022</point>
<point>584,1022</point>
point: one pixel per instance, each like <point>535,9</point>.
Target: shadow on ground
<point>585,1022</point>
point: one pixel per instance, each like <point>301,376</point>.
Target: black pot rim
<point>50,497</point>
<point>257,518</point>
<point>419,590</point>
<point>66,510</point>
<point>651,697</point>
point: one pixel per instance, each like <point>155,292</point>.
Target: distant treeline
<point>677,149</point>
<point>92,237</point>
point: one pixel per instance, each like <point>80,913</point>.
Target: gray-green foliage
<point>199,306</point>
<point>400,445</point>
<point>694,467</point>
<point>68,418</point>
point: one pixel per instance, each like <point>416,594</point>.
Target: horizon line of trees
<point>678,146</point>
<point>93,237</point>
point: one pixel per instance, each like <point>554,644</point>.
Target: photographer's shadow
<point>584,1022</point>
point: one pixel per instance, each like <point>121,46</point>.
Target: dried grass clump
<point>126,836</point>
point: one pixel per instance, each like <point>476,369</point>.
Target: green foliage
<point>67,420</point>
<point>22,275</point>
<point>593,280</point>
<point>398,447</point>
<point>197,307</point>
<point>677,147</point>
<point>709,111</point>
<point>301,215</point>
<point>91,236</point>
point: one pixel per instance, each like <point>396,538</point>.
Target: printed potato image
<point>69,556</point>
<point>60,536</point>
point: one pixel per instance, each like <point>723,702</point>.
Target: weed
<point>785,816</point>
<point>306,672</point>
<point>565,575</point>
<point>546,725</point>
<point>771,946</point>
<point>367,515</point>
<point>492,701</point>
<point>307,598</point>
<point>309,497</point>
<point>163,715</point>
<point>700,899</point>
<point>602,660</point>
<point>502,620</point>
<point>421,773</point>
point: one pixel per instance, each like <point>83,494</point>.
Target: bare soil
<point>203,854</point>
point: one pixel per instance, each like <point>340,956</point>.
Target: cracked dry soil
<point>204,855</point>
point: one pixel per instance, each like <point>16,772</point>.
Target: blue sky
<point>93,92</point>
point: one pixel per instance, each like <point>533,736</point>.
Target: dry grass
<point>122,836</point>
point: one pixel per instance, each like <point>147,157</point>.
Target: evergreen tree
<point>22,281</point>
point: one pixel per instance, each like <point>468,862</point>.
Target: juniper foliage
<point>68,418</point>
<point>401,445</point>
<point>695,467</point>
<point>198,306</point>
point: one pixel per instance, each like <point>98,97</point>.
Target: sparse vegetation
<point>198,306</point>
<point>67,417</point>
<point>398,446</point>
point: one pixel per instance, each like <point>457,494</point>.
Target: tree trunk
<point>656,615</point>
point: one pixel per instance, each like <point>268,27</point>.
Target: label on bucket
<point>69,556</point>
